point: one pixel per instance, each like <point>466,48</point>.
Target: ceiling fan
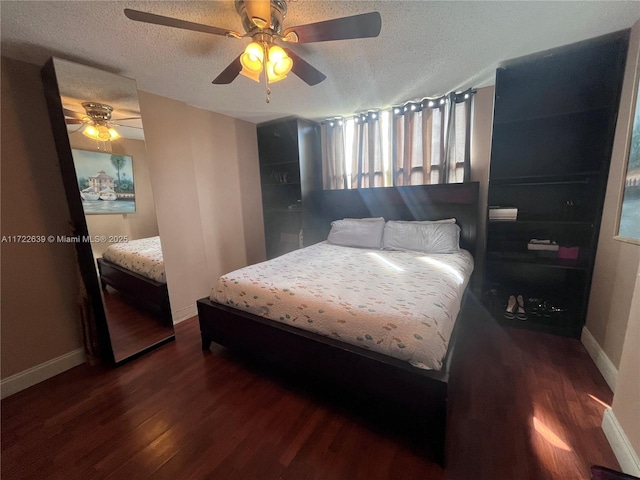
<point>96,121</point>
<point>262,21</point>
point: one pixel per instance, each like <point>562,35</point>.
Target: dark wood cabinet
<point>554,122</point>
<point>290,162</point>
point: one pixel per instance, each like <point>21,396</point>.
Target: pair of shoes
<point>515,308</point>
<point>545,309</point>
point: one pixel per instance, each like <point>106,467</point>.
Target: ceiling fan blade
<point>259,12</point>
<point>139,16</point>
<point>72,114</point>
<point>230,73</point>
<point>127,118</point>
<point>73,121</point>
<point>309,74</point>
<point>364,25</point>
<point>111,124</point>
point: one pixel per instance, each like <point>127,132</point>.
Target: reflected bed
<point>136,269</point>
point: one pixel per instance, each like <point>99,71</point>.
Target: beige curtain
<point>334,174</point>
<point>367,165</point>
<point>431,140</point>
<point>418,143</point>
<point>457,157</point>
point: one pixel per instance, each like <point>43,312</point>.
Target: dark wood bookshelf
<point>554,122</point>
<point>290,152</point>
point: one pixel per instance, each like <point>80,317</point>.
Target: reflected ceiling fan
<point>96,121</point>
<point>262,21</point>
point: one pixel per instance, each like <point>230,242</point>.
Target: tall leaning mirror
<point>100,142</point>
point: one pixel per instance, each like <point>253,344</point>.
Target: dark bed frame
<point>301,352</point>
<point>144,291</point>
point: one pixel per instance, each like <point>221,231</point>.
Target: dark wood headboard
<point>418,202</point>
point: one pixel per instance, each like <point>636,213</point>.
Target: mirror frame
<point>101,341</point>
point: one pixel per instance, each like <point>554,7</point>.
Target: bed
<point>136,269</point>
<point>417,384</point>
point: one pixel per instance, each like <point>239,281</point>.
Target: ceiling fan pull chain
<point>264,71</point>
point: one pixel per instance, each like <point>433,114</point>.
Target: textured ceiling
<point>426,48</point>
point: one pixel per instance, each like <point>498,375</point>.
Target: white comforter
<point>401,304</point>
<point>142,256</point>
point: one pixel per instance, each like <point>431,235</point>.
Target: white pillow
<point>357,232</point>
<point>421,237</point>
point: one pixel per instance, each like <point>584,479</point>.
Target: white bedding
<point>401,304</point>
<point>142,256</point>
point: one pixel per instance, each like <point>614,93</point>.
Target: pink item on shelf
<point>568,253</point>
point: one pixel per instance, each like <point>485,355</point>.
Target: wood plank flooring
<point>523,405</point>
<point>131,327</point>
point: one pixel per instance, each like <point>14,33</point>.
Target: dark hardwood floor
<point>523,405</point>
<point>131,327</point>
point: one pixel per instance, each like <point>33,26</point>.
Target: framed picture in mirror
<point>105,181</point>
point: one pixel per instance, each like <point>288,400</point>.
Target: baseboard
<point>606,367</point>
<point>622,449</point>
<point>40,373</point>
<point>185,313</point>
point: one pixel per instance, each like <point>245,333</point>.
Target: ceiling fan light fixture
<point>255,76</point>
<point>278,64</point>
<point>101,133</point>
<point>281,62</point>
<point>251,61</point>
<point>91,132</point>
<point>113,134</point>
<point>272,76</point>
<point>253,57</point>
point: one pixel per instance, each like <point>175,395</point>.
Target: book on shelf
<point>542,245</point>
<point>503,213</point>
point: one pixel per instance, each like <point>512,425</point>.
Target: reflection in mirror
<point>112,182</point>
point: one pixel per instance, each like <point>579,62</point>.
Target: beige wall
<point>247,144</point>
<point>142,223</point>
<point>39,282</point>
<point>481,159</point>
<point>626,402</point>
<point>195,174</point>
<point>613,318</point>
<point>616,262</point>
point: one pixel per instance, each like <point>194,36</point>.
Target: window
<point>417,143</point>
